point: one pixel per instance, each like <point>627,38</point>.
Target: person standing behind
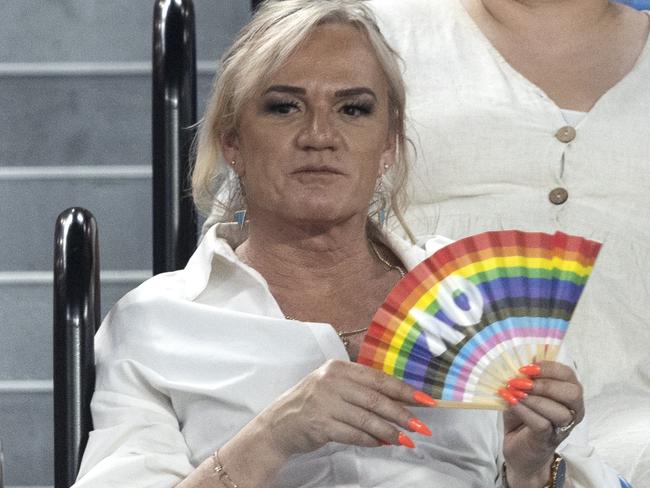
<point>535,114</point>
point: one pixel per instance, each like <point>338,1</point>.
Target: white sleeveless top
<point>495,152</point>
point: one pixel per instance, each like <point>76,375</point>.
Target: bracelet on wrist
<point>557,475</point>
<point>221,472</point>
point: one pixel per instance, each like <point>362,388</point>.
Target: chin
<point>320,214</point>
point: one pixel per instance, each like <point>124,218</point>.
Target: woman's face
<point>312,142</point>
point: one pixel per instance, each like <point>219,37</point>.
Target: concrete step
<point>26,427</point>
<point>82,114</point>
<point>120,199</point>
<point>26,319</point>
<point>96,30</point>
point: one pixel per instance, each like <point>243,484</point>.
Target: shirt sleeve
<point>137,441</point>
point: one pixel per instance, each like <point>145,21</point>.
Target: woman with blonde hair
<point>237,371</point>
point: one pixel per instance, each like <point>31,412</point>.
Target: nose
<point>319,132</point>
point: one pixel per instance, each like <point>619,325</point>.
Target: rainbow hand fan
<point>461,323</point>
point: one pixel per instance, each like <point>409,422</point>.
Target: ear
<point>388,156</point>
<point>229,142</point>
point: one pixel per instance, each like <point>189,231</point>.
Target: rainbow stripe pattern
<point>462,322</point>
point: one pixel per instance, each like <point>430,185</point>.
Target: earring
<point>233,163</point>
<point>380,184</point>
<point>240,218</point>
<point>381,212</point>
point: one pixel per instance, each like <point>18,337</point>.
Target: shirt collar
<point>218,242</point>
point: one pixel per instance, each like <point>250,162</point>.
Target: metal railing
<point>76,318</point>
<point>76,251</point>
<point>2,467</point>
<point>173,120</point>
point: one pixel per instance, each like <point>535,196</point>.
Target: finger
<point>388,385</point>
<point>368,422</point>
<point>565,393</point>
<point>538,424</point>
<point>345,433</point>
<point>556,413</point>
<point>557,371</point>
<point>360,427</point>
<point>391,410</point>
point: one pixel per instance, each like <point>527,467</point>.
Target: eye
<point>282,107</point>
<point>357,109</point>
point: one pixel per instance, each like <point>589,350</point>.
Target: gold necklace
<point>384,261</point>
<point>345,335</point>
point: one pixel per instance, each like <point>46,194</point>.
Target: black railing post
<point>174,116</point>
<point>76,318</point>
<point>2,467</point>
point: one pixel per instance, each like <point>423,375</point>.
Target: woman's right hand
<point>347,403</point>
<point>339,402</point>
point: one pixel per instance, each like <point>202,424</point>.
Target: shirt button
<point>566,134</point>
<point>558,196</point>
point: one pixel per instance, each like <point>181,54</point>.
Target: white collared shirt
<point>189,357</point>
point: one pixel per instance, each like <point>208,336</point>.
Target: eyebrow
<point>350,92</point>
<point>295,90</point>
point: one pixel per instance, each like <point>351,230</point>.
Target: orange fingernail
<point>518,394</point>
<point>416,425</point>
<point>524,384</point>
<point>405,440</point>
<point>531,370</point>
<point>424,399</point>
<point>508,397</point>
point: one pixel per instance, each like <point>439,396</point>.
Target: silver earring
<point>381,211</point>
<point>233,163</point>
<point>380,184</point>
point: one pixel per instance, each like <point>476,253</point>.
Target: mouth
<point>317,170</point>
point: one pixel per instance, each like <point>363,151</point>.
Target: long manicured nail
<point>405,440</point>
<point>416,425</point>
<point>531,370</point>
<point>518,394</point>
<point>508,397</point>
<point>524,384</point>
<point>424,399</point>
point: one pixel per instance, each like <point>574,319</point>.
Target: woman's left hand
<point>534,423</point>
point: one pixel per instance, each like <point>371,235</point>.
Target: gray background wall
<point>75,130</point>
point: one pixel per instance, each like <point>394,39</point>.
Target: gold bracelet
<point>557,472</point>
<point>224,477</point>
<point>556,479</point>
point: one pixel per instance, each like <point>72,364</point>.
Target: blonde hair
<point>276,30</point>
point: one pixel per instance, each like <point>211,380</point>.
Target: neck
<point>519,15</point>
<point>288,253</point>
